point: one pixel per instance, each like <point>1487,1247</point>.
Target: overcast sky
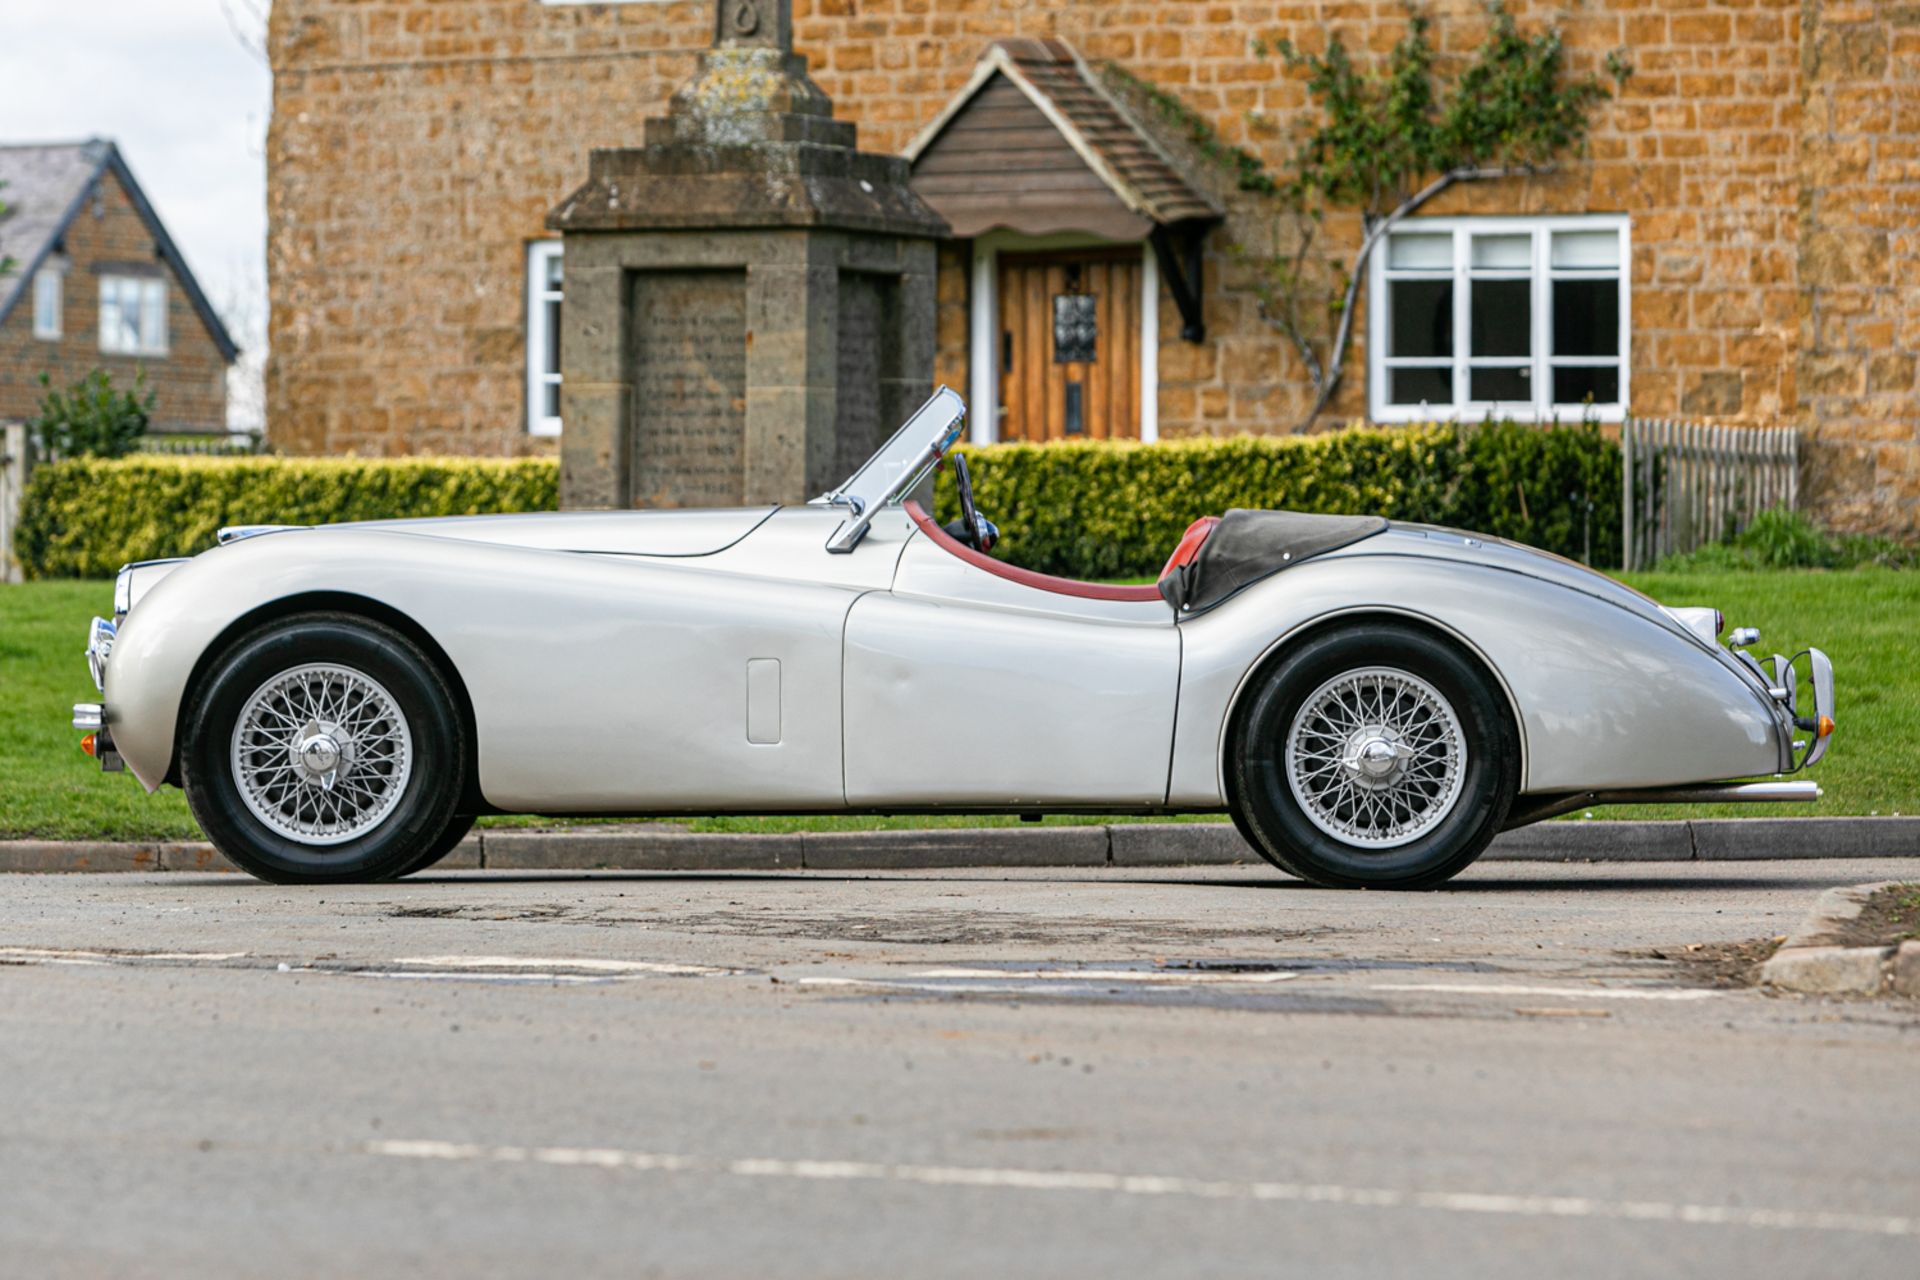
<point>172,84</point>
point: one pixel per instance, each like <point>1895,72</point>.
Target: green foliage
<point>90,419</point>
<point>1098,509</point>
<point>1249,171</point>
<point>87,517</point>
<point>1387,128</point>
<point>1784,539</point>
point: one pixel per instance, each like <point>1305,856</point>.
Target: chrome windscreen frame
<point>938,423</point>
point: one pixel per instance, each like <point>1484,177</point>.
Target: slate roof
<point>1113,140</point>
<point>44,187</point>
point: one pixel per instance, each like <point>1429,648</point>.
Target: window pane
<point>1417,386</point>
<point>1508,253</point>
<point>1422,317</point>
<point>1586,317</point>
<point>1575,249</point>
<point>552,353</point>
<point>550,400</point>
<point>1573,386</point>
<point>1500,384</point>
<point>153,316</point>
<point>1502,317</point>
<point>109,314</point>
<point>1420,251</point>
<point>46,303</point>
<point>130,330</point>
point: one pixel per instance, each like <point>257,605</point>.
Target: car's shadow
<point>1588,883</point>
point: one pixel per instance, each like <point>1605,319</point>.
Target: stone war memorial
<point>750,298</point>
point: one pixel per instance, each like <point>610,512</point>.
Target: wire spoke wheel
<point>1375,757</point>
<point>322,754</point>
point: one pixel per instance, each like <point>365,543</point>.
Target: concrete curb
<point>667,847</point>
<point>1809,962</point>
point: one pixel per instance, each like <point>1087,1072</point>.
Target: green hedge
<point>85,518</point>
<point>1084,509</point>
<point>1099,509</point>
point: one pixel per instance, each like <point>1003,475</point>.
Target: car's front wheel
<point>325,748</point>
<point>1373,756</point>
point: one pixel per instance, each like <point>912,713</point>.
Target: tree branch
<point>1376,229</point>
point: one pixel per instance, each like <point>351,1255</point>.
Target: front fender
<point>1603,696</point>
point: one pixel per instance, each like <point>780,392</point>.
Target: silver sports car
<point>1372,702</point>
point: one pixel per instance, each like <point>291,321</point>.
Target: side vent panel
<point>763,701</point>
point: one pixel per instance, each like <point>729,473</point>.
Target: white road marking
<point>472,975</point>
<point>66,955</point>
<point>1587,993</point>
<point>1182,977</point>
<point>523,963</point>
<point>1134,1184</point>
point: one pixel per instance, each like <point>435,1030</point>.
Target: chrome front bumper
<point>91,717</point>
<point>1781,675</point>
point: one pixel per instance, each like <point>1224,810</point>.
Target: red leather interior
<point>1190,543</point>
<point>1026,577</point>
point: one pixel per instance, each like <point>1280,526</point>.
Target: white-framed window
<point>544,279</point>
<point>48,284</point>
<point>133,315</point>
<point>1481,317</point>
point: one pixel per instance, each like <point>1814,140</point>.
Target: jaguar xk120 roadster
<point>1371,702</point>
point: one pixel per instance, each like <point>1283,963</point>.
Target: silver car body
<point>726,661</point>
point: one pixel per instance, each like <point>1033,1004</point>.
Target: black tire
<point>1440,836</point>
<point>409,821</point>
<point>449,841</point>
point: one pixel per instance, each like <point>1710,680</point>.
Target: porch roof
<point>1036,143</point>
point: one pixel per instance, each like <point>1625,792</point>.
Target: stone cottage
<point>98,284</point>
<point>1737,245</point>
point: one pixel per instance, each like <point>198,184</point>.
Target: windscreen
<point>905,459</point>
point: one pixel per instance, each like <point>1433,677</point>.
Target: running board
<point>1530,809</point>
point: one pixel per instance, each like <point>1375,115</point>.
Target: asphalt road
<point>1045,1073</point>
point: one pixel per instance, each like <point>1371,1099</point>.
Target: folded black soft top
<point>1247,546</point>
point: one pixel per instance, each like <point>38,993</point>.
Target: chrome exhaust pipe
<point>1531,809</point>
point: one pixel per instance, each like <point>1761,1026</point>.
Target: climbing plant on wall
<point>1384,138</point>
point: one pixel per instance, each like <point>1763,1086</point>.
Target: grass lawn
<point>1865,619</point>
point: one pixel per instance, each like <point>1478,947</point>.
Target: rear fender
<point>1603,697</point>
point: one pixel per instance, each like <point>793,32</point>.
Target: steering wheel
<point>970,523</point>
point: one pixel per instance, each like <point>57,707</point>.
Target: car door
<point>963,688</point>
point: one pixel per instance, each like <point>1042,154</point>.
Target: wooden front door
<point>1070,345</point>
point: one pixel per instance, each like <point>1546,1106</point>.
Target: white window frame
<point>49,303</point>
<point>983,356</point>
<point>150,331</point>
<point>540,255</point>
<point>1540,364</point>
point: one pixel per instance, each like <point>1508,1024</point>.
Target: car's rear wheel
<point>1373,756</point>
<point>325,748</point>
<point>449,841</point>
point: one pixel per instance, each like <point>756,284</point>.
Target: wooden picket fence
<point>1685,484</point>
